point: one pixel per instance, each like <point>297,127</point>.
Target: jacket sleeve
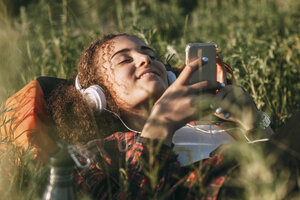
<point>24,121</point>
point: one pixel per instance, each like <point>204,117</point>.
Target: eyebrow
<point>126,50</point>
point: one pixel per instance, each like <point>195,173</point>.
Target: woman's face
<point>134,73</point>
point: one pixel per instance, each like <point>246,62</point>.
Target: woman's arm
<point>178,105</point>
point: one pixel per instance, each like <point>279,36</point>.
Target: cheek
<point>117,76</point>
<point>122,81</point>
<point>109,79</point>
<point>123,75</point>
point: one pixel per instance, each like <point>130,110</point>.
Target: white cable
<point>211,131</point>
<point>223,130</point>
<point>260,140</point>
<point>122,121</point>
<point>199,129</point>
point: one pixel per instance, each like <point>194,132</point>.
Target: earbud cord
<point>122,121</point>
<point>223,130</point>
<point>79,88</point>
<point>197,128</point>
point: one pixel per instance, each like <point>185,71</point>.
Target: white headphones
<point>95,95</point>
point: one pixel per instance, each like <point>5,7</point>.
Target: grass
<point>260,39</point>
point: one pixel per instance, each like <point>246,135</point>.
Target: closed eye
<point>152,57</point>
<point>150,53</point>
<point>126,60</point>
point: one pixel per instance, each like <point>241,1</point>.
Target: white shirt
<point>194,143</point>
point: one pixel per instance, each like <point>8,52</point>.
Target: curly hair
<point>74,120</point>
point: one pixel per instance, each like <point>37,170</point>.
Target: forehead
<point>116,45</point>
<point>126,42</point>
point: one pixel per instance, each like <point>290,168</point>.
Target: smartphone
<point>207,71</point>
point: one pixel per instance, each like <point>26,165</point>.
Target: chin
<point>152,92</point>
<point>157,89</point>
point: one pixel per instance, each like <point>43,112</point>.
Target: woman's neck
<point>135,119</point>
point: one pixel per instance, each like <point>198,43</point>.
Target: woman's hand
<point>175,107</point>
<point>234,104</point>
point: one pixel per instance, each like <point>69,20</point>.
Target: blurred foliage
<point>260,39</point>
<point>21,177</point>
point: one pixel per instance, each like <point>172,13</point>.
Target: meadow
<point>259,39</point>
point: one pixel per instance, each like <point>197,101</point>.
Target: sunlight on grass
<point>258,38</point>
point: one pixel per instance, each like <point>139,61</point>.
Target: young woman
<point>136,87</point>
<point>122,86</point>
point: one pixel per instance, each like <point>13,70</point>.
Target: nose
<point>143,60</point>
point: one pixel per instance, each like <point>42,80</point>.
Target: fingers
<point>204,86</point>
<point>187,71</point>
<point>231,99</point>
<point>225,105</point>
<point>226,111</point>
<point>234,104</point>
<point>218,56</point>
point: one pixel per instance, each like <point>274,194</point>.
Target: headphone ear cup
<point>171,77</point>
<point>95,96</point>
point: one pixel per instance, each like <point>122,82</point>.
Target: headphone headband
<point>77,84</point>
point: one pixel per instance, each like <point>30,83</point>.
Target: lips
<point>146,73</point>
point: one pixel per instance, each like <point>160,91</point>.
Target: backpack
<point>25,121</point>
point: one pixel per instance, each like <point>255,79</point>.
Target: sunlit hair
<point>73,119</point>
